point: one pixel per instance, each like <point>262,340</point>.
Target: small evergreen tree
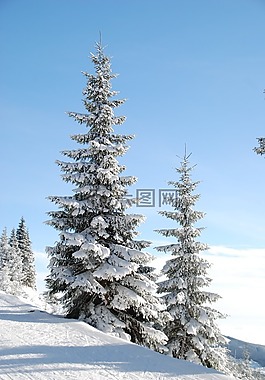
<point>193,334</point>
<point>97,265</point>
<point>4,262</point>
<point>15,264</point>
<point>27,256</point>
<point>242,369</point>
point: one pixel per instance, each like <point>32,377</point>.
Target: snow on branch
<point>261,149</point>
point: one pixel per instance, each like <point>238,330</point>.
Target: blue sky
<point>192,73</point>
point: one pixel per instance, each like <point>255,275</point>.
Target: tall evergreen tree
<point>97,264</point>
<point>193,334</point>
<point>27,256</point>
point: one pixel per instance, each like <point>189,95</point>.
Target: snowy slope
<point>37,345</point>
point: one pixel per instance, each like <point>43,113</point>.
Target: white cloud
<point>239,277</point>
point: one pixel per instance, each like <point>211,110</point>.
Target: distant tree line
<point>17,269</point>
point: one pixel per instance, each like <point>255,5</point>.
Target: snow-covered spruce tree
<point>97,265</point>
<point>242,369</point>
<point>27,256</point>
<point>15,264</point>
<point>193,334</point>
<point>4,262</point>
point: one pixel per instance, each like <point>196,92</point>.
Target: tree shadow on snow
<point>99,352</point>
<point>30,315</point>
<point>120,357</point>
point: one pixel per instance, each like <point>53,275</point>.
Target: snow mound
<point>40,346</point>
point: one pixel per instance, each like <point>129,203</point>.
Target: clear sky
<point>193,72</point>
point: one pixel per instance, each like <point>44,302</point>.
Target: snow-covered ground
<point>40,346</point>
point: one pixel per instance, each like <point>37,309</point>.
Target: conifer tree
<point>243,369</point>
<point>193,334</point>
<point>15,264</point>
<point>4,263</point>
<point>97,265</point>
<point>27,256</point>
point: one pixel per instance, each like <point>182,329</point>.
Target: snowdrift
<point>40,346</point>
